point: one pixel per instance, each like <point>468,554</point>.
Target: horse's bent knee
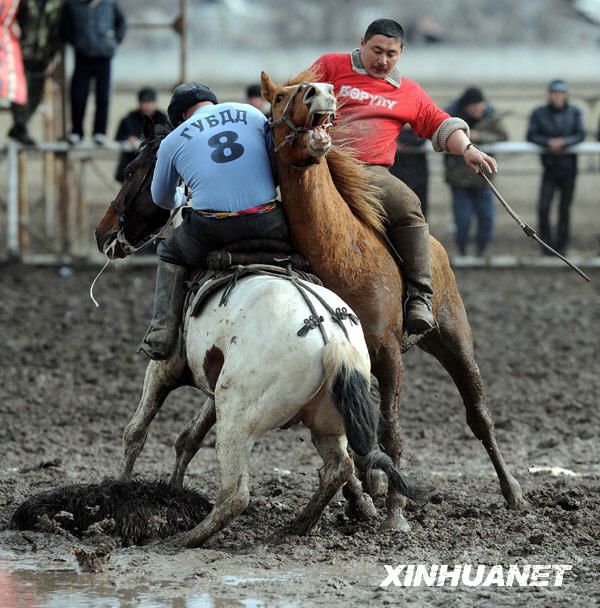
<point>133,434</point>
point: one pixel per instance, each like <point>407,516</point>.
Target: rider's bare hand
<point>474,157</point>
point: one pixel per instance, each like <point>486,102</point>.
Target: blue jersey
<point>221,154</point>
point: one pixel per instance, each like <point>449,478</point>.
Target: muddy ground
<point>70,380</point>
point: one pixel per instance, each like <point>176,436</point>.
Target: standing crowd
<point>95,29</point>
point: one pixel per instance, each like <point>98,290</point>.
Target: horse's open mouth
<point>320,119</point>
<point>319,141</point>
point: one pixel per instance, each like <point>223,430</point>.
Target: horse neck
<point>324,229</point>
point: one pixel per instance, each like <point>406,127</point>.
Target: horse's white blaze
<point>269,373</point>
<point>320,98</point>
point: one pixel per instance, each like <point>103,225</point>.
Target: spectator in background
<point>556,126</point>
<point>411,167</point>
<point>471,197</point>
<point>13,87</point>
<point>39,21</point>
<point>131,125</point>
<point>254,98</point>
<point>95,28</point>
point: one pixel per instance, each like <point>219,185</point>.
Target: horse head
<point>132,216</point>
<point>301,119</point>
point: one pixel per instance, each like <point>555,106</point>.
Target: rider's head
<point>186,99</point>
<point>381,46</point>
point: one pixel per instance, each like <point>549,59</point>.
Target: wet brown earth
<point>70,380</point>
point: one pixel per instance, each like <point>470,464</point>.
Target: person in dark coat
<point>556,126</point>
<point>131,126</point>
<point>94,28</point>
<point>412,167</point>
<point>39,21</point>
<point>471,197</point>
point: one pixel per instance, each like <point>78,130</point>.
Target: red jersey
<point>376,109</point>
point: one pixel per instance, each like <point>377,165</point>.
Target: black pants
<point>35,92</point>
<point>563,180</point>
<point>190,243</point>
<point>86,69</point>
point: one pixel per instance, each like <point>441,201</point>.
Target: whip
<point>527,229</point>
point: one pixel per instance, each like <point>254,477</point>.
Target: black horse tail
<point>347,374</point>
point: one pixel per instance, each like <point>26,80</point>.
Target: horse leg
<point>359,504</point>
<point>161,378</point>
<point>337,468</point>
<point>388,368</point>
<point>452,345</point>
<point>189,441</point>
<point>234,444</point>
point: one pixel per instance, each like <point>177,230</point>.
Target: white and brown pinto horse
<point>259,374</point>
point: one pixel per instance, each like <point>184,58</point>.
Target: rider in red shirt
<point>376,102</point>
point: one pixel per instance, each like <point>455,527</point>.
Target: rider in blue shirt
<point>220,151</point>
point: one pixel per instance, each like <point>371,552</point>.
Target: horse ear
<point>266,86</point>
<point>148,127</point>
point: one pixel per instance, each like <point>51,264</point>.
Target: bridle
<point>120,238</point>
<point>284,119</point>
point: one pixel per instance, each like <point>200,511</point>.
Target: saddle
<point>241,259</point>
<point>274,252</point>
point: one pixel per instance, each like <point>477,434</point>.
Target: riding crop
<point>527,229</point>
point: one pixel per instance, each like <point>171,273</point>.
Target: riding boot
<point>412,243</point>
<point>168,306</point>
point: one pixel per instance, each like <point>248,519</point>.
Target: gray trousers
<point>401,204</point>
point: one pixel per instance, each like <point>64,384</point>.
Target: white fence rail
<point>66,213</point>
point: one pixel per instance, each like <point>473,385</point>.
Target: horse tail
<point>347,376</point>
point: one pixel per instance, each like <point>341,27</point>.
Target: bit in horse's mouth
<point>112,249</point>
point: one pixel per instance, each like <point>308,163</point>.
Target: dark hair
<point>253,90</point>
<point>146,94</point>
<point>385,27</point>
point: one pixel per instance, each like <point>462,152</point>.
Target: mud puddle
<point>59,582</point>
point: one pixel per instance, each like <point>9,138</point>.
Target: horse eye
<point>278,97</point>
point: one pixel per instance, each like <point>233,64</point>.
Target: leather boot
<point>412,243</point>
<point>168,306</point>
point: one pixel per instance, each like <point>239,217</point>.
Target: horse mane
<point>355,185</point>
<point>160,132</point>
<point>309,75</point>
<point>352,181</point>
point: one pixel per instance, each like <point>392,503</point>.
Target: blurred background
<point>509,49</point>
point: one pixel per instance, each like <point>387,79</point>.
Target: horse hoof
<point>395,523</point>
<point>518,503</point>
<point>362,511</point>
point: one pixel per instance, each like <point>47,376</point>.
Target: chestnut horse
<point>336,223</point>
